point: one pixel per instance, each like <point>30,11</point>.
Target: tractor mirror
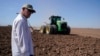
<point>63,19</point>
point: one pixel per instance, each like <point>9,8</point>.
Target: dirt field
<point>86,32</point>
<point>81,42</point>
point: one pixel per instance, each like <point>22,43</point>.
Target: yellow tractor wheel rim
<point>41,30</point>
<point>47,30</point>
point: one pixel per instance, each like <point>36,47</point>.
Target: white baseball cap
<point>29,7</point>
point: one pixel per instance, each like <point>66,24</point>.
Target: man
<point>21,40</point>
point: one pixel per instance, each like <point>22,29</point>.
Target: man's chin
<point>28,17</point>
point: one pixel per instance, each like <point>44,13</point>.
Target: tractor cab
<point>55,26</point>
<point>54,19</point>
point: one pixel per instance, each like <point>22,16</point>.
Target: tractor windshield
<point>58,18</point>
<point>54,19</point>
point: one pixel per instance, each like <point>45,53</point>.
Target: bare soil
<point>81,42</point>
<point>86,32</point>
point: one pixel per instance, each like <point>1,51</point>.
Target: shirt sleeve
<point>30,43</point>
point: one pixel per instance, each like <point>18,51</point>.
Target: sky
<point>77,13</point>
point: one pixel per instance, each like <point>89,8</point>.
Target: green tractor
<point>56,26</point>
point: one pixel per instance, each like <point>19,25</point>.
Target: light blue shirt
<point>21,40</point>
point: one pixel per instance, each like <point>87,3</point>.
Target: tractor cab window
<point>58,19</point>
<point>54,19</point>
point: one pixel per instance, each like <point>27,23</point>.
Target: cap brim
<point>33,11</point>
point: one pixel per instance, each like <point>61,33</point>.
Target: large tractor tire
<point>42,29</point>
<point>68,30</point>
<point>51,29</point>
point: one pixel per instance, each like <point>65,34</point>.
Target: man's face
<point>27,12</point>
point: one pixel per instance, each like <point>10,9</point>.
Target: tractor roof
<point>54,17</point>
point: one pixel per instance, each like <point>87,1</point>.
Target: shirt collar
<point>23,17</point>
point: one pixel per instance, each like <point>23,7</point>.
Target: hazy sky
<point>78,13</point>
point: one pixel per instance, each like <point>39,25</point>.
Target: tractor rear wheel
<point>51,29</point>
<point>68,30</point>
<point>42,29</point>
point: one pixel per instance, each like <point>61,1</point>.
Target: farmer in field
<point>21,41</point>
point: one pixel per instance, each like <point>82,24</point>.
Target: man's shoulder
<point>19,20</point>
